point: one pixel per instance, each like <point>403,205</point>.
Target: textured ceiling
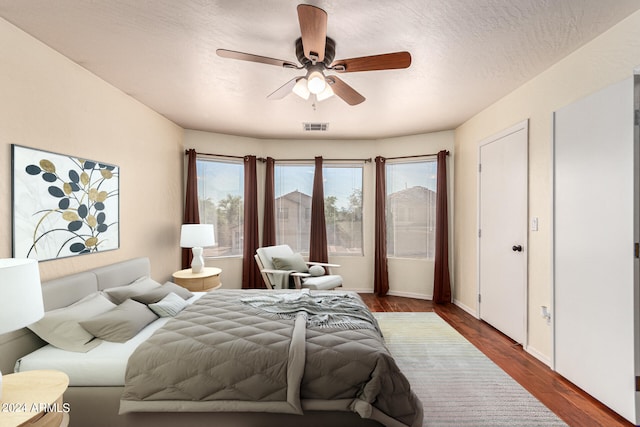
<point>466,55</point>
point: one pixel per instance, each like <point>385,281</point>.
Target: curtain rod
<point>368,160</point>
<point>262,159</point>
<point>411,157</point>
<point>323,159</point>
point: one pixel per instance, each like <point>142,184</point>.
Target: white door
<point>502,247</point>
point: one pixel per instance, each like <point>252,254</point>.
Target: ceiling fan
<point>316,52</point>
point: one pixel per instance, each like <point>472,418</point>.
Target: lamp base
<point>197,264</point>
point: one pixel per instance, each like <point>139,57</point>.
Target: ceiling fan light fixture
<point>316,83</point>
<point>301,89</point>
<point>325,94</point>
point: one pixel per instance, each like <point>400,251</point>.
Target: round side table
<point>34,398</point>
<point>207,280</point>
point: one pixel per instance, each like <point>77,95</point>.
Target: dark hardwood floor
<point>571,404</point>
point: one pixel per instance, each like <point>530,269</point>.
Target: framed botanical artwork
<point>63,205</point>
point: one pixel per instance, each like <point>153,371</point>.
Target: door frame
<point>521,126</point>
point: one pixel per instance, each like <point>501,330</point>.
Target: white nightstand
<point>34,398</point>
<point>208,279</point>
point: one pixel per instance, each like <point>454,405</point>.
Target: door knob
<point>517,248</point>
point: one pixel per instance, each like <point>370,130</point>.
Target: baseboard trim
<point>360,291</point>
<point>466,308</point>
<point>394,293</point>
<point>541,357</point>
<point>410,295</point>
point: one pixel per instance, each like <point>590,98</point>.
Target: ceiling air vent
<point>320,127</point>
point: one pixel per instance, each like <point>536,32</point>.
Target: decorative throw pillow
<point>316,270</point>
<point>168,306</point>
<point>157,294</point>
<point>293,262</point>
<point>121,293</point>
<point>121,323</point>
<point>61,327</point>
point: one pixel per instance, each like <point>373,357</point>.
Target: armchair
<point>276,278</point>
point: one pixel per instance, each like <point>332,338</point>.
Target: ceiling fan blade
<point>313,28</point>
<point>344,91</point>
<point>387,61</point>
<point>232,54</point>
<point>285,89</point>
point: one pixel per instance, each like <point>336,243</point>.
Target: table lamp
<point>20,295</point>
<point>197,236</point>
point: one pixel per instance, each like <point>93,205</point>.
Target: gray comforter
<point>246,351</point>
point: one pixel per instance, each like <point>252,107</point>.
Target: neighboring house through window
<point>411,209</point>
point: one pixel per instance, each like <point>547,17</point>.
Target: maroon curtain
<point>191,211</point>
<point>250,273</point>
<point>269,224</point>
<point>381,272</point>
<point>441,280</point>
<point>318,237</point>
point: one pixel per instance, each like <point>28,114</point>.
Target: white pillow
<point>61,327</point>
<point>168,306</point>
<point>316,270</point>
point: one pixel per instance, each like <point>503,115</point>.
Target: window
<point>342,206</point>
<point>293,188</point>
<point>221,203</point>
<point>411,209</point>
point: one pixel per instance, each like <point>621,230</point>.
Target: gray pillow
<point>121,293</point>
<point>61,327</point>
<point>157,294</point>
<point>121,323</point>
<point>293,262</point>
<point>169,306</point>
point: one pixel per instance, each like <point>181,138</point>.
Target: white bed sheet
<point>104,365</point>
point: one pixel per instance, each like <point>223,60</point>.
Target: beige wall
<point>406,277</point>
<point>605,60</point>
<point>50,103</point>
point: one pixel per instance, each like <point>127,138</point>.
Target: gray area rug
<point>457,384</point>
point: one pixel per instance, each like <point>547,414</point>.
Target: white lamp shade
<point>325,94</point>
<point>316,82</point>
<point>20,294</point>
<point>197,236</point>
<point>301,89</point>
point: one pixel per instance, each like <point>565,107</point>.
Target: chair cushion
<point>268,252</point>
<point>293,262</point>
<point>322,282</point>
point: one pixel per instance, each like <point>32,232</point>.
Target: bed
<point>290,362</point>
